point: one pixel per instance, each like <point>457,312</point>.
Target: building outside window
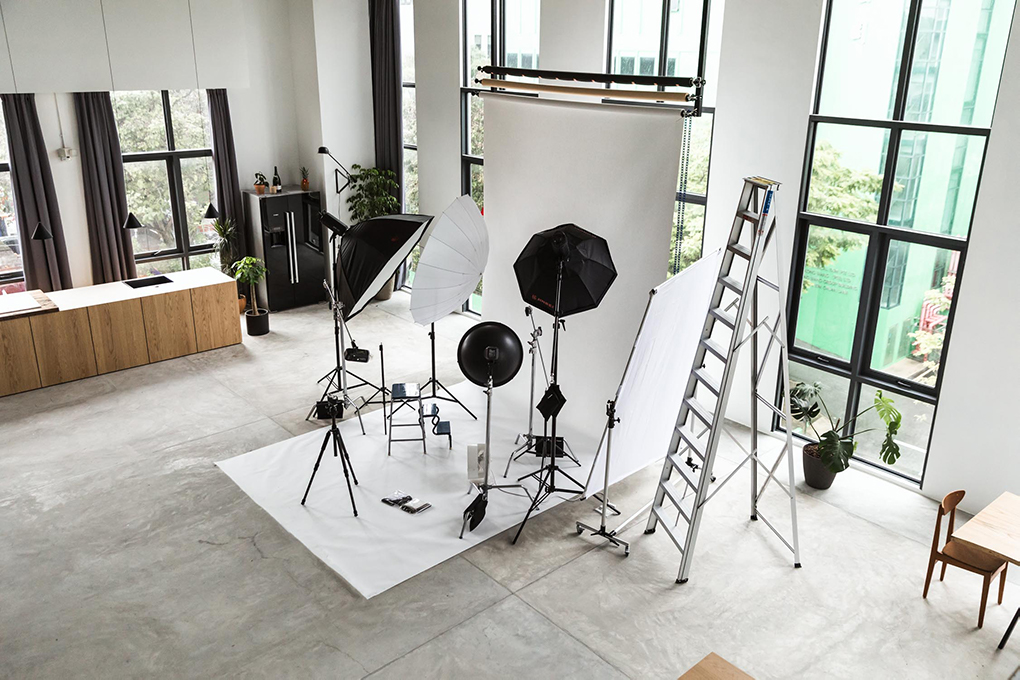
<point>896,143</point>
<point>12,273</point>
<point>663,37</point>
<point>410,125</point>
<point>166,142</point>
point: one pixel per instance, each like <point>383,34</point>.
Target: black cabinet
<point>286,234</point>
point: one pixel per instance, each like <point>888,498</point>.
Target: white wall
<point>760,128</point>
<point>305,69</point>
<point>971,447</point>
<point>437,53</point>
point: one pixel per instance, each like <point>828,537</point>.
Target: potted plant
<point>373,194</point>
<point>260,183</point>
<point>832,453</point>
<point>304,179</point>
<point>226,239</point>
<point>249,271</point>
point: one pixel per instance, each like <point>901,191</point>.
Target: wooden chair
<point>963,556</point>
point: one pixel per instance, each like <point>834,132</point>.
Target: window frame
<point>16,276</point>
<point>857,370</point>
<point>172,157</point>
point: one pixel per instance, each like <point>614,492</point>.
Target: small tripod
<point>610,536</point>
<point>334,407</point>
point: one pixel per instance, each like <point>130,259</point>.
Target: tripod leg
<point>346,456</point>
<point>458,401</point>
<point>315,469</point>
<point>337,444</point>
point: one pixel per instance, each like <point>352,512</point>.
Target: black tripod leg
<point>1009,631</point>
<point>346,457</point>
<point>459,402</point>
<point>337,447</point>
<point>315,469</point>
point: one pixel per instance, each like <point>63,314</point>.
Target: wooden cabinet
<point>217,320</point>
<point>63,346</point>
<point>18,368</point>
<point>169,325</point>
<point>118,335</point>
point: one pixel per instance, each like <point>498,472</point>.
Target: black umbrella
<point>369,254</point>
<point>588,269</point>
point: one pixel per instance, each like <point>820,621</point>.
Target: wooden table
<point>996,530</point>
<point>714,667</point>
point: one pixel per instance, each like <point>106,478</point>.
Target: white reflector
<point>451,263</point>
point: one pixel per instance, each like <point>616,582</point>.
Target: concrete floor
<point>127,553</point>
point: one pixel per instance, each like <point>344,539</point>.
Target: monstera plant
<point>832,453</point>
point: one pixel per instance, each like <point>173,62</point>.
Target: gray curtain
<point>35,199</point>
<point>102,170</point>
<point>230,202</point>
<point>387,93</point>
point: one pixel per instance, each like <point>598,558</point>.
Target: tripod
<point>339,451</point>
<point>610,536</point>
<point>434,381</point>
<point>529,445</point>
<point>546,475</point>
<point>477,507</point>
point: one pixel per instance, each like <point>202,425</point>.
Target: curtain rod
<point>601,93</point>
<point>585,77</point>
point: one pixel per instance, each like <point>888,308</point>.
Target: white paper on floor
<point>384,545</point>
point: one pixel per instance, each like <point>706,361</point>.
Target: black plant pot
<point>258,324</point>
<point>816,474</point>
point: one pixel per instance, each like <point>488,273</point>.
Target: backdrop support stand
<point>435,382</point>
<point>610,536</point>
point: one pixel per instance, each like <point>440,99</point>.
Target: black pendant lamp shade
<point>132,222</point>
<point>490,347</point>
<point>41,233</point>
<point>211,213</point>
<point>370,253</point>
<point>588,270</point>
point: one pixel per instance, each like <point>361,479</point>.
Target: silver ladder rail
<point>691,455</point>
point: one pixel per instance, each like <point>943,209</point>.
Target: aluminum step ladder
<point>730,325</point>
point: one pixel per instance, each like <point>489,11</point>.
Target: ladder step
<point>749,216</point>
<point>665,522</point>
<point>708,381</point>
<point>683,469</point>
<point>715,348</point>
<point>691,442</point>
<point>737,249</point>
<point>728,320</point>
<point>761,182</point>
<point>732,283</point>
<point>682,504</point>
<point>698,409</point>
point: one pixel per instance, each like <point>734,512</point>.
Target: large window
<point>410,114</point>
<point>166,142</point>
<point>895,148</point>
<point>12,273</point>
<point>663,37</point>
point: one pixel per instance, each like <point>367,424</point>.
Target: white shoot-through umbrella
<point>452,262</point>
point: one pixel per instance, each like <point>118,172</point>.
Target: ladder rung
<point>678,502</point>
<point>760,181</point>
<point>767,283</point>
<point>684,470</point>
<point>708,381</point>
<point>728,320</point>
<point>665,523</point>
<point>749,216</point>
<point>771,406</point>
<point>715,348</point>
<point>703,414</point>
<point>691,442</point>
<point>737,249</point>
<point>731,283</point>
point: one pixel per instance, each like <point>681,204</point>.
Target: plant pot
<point>258,324</point>
<point>260,189</point>
<point>816,474</point>
<point>387,291</point>
<point>242,304</point>
<point>305,185</point>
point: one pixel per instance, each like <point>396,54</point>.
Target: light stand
<point>435,383</point>
<point>546,475</point>
<point>335,407</point>
<point>478,505</point>
<point>610,536</point>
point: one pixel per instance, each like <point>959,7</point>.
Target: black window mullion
<point>906,59</point>
<point>889,176</point>
<point>173,166</point>
<point>663,41</point>
<point>167,120</point>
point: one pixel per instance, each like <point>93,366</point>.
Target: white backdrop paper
<point>653,388</point>
<point>609,169</point>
